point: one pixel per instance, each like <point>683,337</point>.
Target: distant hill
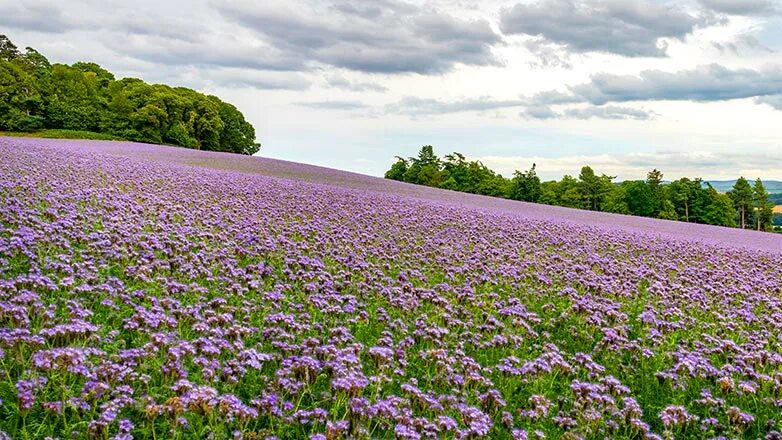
<point>772,186</point>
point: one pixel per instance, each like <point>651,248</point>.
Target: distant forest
<point>747,205</point>
<point>37,95</point>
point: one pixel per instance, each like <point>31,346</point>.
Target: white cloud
<point>377,79</point>
<point>625,27</point>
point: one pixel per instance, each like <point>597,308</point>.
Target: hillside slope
<point>152,292</point>
<point>713,235</point>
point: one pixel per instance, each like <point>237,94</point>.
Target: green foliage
<point>654,180</point>
<point>525,186</point>
<point>720,209</point>
<point>398,170</point>
<point>569,193</point>
<point>594,189</point>
<point>742,197</point>
<point>454,173</point>
<point>615,200</point>
<point>763,210</point>
<point>21,103</point>
<point>85,97</point>
<point>667,211</point>
<point>686,197</point>
<point>689,200</point>
<point>640,198</point>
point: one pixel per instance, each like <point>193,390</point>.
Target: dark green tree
<point>742,197</point>
<point>593,188</point>
<point>21,102</point>
<point>719,210</point>
<point>84,96</point>
<point>615,200</point>
<point>763,210</point>
<point>398,170</point>
<point>684,193</point>
<point>525,186</point>
<point>569,193</point>
<point>549,193</point>
<point>654,179</point>
<point>8,50</point>
<point>640,198</point>
<point>459,177</point>
<point>426,169</point>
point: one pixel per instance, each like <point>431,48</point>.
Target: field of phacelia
<point>153,292</point>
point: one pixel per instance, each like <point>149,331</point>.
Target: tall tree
<point>742,197</point>
<point>593,188</point>
<point>763,210</point>
<point>426,169</point>
<point>525,186</point>
<point>686,195</point>
<point>654,179</point>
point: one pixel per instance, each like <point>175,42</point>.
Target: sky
<point>691,87</point>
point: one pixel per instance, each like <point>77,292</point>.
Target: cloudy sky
<point>693,87</point>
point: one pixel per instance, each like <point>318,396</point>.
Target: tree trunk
<point>743,221</point>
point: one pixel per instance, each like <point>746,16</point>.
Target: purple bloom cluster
<point>153,291</point>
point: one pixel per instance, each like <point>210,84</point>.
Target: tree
<point>593,188</point>
<point>548,193</point>
<point>425,169</point>
<point>398,170</point>
<point>685,199</point>
<point>37,62</point>
<point>667,211</point>
<point>683,193</point>
<point>742,197</point>
<point>654,179</point>
<point>8,50</point>
<point>35,94</point>
<point>615,200</point>
<point>720,209</point>
<point>640,198</point>
<point>459,177</point>
<point>525,186</point>
<point>21,104</point>
<point>569,193</point>
<point>762,207</point>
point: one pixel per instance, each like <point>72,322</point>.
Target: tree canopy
<point>35,95</point>
<point>685,199</point>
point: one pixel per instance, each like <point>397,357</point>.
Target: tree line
<point>747,205</point>
<point>36,95</point>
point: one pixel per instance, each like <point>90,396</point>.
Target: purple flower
<point>676,416</point>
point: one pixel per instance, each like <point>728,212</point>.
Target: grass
<point>63,134</point>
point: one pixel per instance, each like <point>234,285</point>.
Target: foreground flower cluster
<point>146,298</point>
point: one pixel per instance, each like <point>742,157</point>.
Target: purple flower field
<point>157,292</point>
